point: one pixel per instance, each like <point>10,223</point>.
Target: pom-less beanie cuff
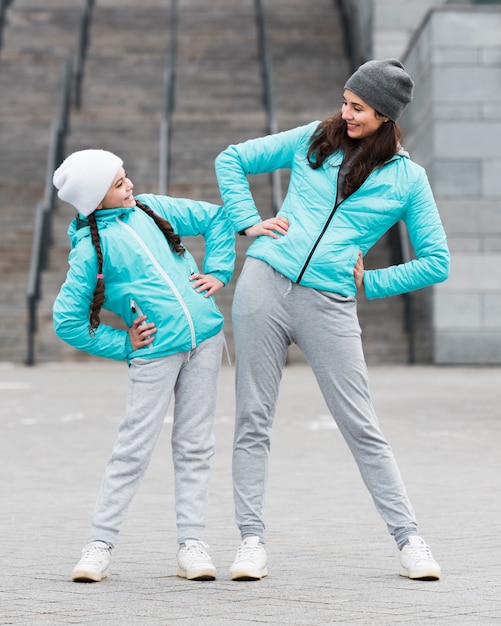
<point>384,85</point>
<point>84,178</point>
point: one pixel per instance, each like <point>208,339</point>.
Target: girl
<point>350,181</point>
<point>127,256</point>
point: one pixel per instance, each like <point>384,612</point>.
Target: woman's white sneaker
<point>417,562</point>
<point>250,561</point>
<point>194,562</point>
<point>93,566</point>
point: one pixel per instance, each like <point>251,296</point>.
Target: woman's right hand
<point>141,334</point>
<point>272,227</point>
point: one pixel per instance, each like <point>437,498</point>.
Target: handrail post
<point>42,232</point>
<point>276,188</point>
<point>82,45</point>
<point>169,103</point>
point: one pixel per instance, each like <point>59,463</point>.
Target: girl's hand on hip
<point>358,271</point>
<point>206,282</point>
<point>273,227</point>
<point>141,333</point>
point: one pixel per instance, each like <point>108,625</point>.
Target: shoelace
<point>93,554</point>
<point>247,552</point>
<point>420,552</point>
<point>197,551</point>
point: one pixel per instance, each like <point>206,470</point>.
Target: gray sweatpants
<point>270,313</point>
<point>192,377</point>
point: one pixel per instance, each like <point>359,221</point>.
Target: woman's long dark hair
<point>98,299</point>
<point>331,136</point>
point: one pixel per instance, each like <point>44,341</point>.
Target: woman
<point>350,181</point>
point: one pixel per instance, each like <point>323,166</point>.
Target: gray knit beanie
<point>384,85</point>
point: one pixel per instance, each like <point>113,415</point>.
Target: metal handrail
<point>169,104</point>
<point>42,233</point>
<point>4,4</point>
<point>83,44</point>
<point>401,253</point>
<point>408,298</point>
<point>359,51</point>
<point>272,126</point>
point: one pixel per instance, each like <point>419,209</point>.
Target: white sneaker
<point>93,566</point>
<point>250,562</point>
<point>194,562</point>
<point>417,562</point>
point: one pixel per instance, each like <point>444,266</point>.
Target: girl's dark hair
<point>98,299</point>
<point>330,136</point>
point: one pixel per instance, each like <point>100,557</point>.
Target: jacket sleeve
<point>72,307</point>
<point>190,218</point>
<point>255,156</point>
<point>429,242</point>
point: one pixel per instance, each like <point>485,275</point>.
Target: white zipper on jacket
<point>167,279</point>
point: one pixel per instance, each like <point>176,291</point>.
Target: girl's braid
<point>173,239</point>
<point>98,299</point>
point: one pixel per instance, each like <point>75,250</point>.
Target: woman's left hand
<point>358,271</point>
<point>273,227</point>
<point>206,282</point>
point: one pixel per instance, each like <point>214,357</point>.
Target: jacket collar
<point>79,227</point>
<point>336,159</point>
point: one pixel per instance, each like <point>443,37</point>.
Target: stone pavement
<point>331,560</point>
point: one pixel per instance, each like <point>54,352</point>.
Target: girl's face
<point>120,193</point>
<point>362,120</point>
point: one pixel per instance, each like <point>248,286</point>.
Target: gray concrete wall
<point>453,128</point>
<point>395,22</point>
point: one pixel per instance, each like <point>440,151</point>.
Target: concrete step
<point>218,101</point>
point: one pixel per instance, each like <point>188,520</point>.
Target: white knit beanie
<point>84,178</point>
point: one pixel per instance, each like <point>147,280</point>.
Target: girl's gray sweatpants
<point>192,377</point>
<point>269,314</point>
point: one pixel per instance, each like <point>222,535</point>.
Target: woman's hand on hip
<point>272,227</point>
<point>358,271</point>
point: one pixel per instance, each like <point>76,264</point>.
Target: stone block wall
<point>453,128</point>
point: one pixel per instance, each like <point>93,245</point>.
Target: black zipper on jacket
<point>312,251</point>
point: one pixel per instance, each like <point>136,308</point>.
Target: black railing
<point>82,45</point>
<point>4,4</point>
<point>357,26</point>
<point>42,234</point>
<point>400,248</point>
<point>169,103</point>
<point>271,123</point>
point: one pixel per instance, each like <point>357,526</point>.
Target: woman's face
<point>362,121</point>
<point>120,193</point>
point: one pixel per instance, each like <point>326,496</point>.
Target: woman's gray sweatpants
<point>269,314</point>
<point>192,377</point>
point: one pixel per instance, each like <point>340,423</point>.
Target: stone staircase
<point>37,38</point>
<point>218,100</point>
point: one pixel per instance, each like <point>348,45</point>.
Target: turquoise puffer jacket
<point>321,246</point>
<point>139,264</point>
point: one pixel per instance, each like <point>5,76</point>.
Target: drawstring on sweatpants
<point>226,349</point>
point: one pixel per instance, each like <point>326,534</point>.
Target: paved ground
<point>330,558</point>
